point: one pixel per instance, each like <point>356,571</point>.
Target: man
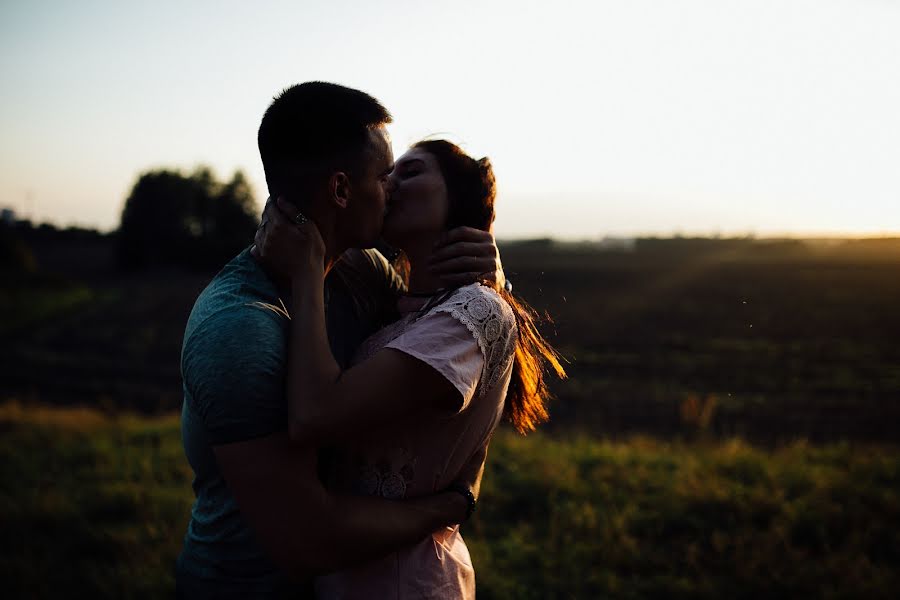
<point>262,523</point>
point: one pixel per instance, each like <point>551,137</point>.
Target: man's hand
<point>305,529</point>
<point>457,510</point>
<point>471,474</point>
<point>465,255</point>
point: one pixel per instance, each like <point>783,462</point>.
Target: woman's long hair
<point>472,190</point>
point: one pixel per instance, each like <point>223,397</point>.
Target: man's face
<point>365,211</point>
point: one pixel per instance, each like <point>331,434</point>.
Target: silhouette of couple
<point>337,407</point>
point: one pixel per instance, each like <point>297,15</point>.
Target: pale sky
<point>601,118</point>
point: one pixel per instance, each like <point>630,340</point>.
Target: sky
<point>637,117</point>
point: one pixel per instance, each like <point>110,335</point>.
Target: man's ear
<point>340,189</point>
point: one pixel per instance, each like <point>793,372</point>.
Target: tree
<point>193,220</point>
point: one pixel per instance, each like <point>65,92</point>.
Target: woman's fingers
<point>269,209</point>
<point>276,233</point>
<point>287,209</point>
<point>463,270</point>
<point>258,239</point>
<point>279,217</point>
<point>287,239</point>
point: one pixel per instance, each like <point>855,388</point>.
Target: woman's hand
<point>288,242</point>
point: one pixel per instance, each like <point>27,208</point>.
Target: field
<point>729,426</point>
<point>92,506</point>
<point>772,340</point>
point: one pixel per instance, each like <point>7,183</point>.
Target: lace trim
<point>492,323</point>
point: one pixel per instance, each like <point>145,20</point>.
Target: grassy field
<point>779,339</point>
<point>789,338</point>
<point>697,343</point>
<point>95,506</point>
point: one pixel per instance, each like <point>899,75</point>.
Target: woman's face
<point>417,208</point>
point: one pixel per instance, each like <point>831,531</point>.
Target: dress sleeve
<point>470,339</point>
<point>233,371</point>
<point>446,345</point>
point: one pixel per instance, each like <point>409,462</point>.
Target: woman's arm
<point>326,404</point>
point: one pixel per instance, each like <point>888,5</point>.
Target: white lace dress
<point>470,339</point>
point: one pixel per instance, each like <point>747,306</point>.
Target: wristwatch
<point>467,494</point>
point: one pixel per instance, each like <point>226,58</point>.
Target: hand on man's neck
<point>334,248</point>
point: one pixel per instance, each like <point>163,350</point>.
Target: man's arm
<point>307,530</point>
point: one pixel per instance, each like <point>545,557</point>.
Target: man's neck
<point>334,247</point>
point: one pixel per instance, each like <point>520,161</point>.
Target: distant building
<point>8,217</point>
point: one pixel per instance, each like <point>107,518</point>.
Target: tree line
<point>170,218</point>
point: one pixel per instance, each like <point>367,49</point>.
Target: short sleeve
<point>233,370</point>
<point>444,343</point>
<point>492,323</point>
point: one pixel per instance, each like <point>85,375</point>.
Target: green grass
<point>584,518</point>
<point>95,506</point>
<point>24,306</point>
<point>89,506</point>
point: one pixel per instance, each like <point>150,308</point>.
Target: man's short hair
<point>313,128</point>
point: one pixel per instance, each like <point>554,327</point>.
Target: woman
<point>417,408</point>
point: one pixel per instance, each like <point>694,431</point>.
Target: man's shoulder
<point>237,318</point>
<point>232,367</point>
<point>368,277</point>
<point>253,319</point>
<point>367,261</point>
<point>239,296</point>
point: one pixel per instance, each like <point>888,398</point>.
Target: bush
<point>15,255</point>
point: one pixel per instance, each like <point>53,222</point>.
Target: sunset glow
<point>602,118</point>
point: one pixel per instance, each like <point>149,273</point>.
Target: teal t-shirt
<point>232,364</point>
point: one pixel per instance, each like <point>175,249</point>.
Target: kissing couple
<point>338,407</point>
